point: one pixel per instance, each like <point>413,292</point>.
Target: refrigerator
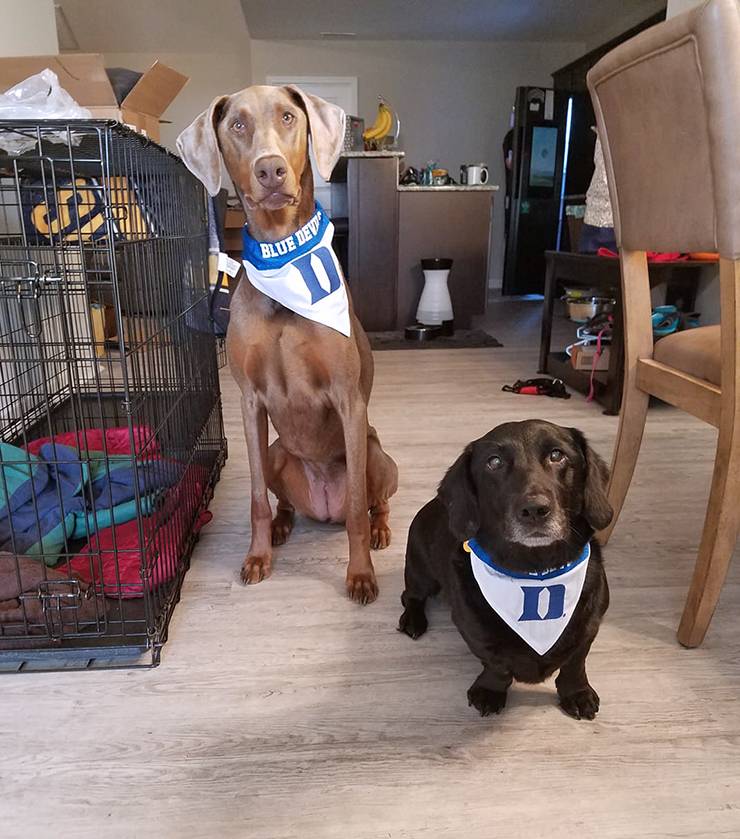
<point>550,162</point>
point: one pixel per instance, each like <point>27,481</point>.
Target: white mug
<point>477,174</point>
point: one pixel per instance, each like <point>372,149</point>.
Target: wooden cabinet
<point>372,253</point>
<point>447,224</point>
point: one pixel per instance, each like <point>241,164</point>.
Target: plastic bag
<point>38,97</point>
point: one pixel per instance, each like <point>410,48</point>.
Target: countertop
<point>388,153</point>
<point>450,188</point>
<point>400,154</point>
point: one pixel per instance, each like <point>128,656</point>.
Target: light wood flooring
<point>284,711</point>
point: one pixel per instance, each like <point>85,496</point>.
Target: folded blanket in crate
<point>59,495</point>
<point>117,562</point>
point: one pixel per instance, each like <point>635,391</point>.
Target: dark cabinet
<point>372,252</point>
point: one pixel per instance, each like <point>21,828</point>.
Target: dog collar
<point>301,272</point>
<point>538,607</point>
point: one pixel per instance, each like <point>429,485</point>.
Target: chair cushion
<point>695,351</point>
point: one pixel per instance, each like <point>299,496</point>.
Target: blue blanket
<point>63,495</point>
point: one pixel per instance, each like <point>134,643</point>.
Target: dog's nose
<point>271,171</point>
<point>535,509</point>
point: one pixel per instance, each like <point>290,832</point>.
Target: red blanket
<point>117,557</point>
<point>652,256</point>
<point>117,440</point>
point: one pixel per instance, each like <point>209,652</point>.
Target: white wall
<point>677,7</point>
<point>28,28</point>
<point>453,98</point>
<point>211,74</point>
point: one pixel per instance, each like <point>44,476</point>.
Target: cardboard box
<point>582,358</point>
<point>83,76</point>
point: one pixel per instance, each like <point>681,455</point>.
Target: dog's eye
<point>495,462</point>
<point>288,118</point>
<point>238,126</point>
<point>556,456</point>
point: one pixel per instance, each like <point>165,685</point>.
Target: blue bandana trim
<point>546,575</point>
<point>267,256</point>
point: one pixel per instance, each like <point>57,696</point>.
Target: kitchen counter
<point>389,153</point>
<point>383,230</point>
<point>450,188</point>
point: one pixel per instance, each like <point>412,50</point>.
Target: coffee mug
<point>477,174</point>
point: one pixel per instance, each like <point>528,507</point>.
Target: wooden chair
<point>667,105</point>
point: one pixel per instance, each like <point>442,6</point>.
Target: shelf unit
<point>681,280</point>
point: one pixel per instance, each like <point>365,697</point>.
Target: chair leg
<point>723,513</point>
<point>626,448</point>
<point>717,542</point>
<point>638,343</point>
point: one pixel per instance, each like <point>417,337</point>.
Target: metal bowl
<point>582,309</point>
<point>420,332</point>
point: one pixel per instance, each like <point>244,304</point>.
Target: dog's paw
<point>487,701</point>
<point>413,622</point>
<point>380,536</point>
<point>583,705</point>
<point>256,569</point>
<point>362,587</point>
<point>282,526</point>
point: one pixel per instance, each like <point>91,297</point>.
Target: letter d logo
<point>555,604</point>
<point>303,264</point>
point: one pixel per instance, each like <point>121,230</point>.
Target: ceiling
<point>178,26</point>
<point>160,26</point>
<point>457,20</point>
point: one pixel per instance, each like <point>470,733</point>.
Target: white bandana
<point>538,607</point>
<point>301,272</point>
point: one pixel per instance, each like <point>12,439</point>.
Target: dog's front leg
<point>488,692</point>
<point>576,695</point>
<point>361,584</point>
<point>258,563</point>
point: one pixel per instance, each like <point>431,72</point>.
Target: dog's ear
<point>596,507</point>
<point>326,127</point>
<point>458,493</point>
<point>198,146</point>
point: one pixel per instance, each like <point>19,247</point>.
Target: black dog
<point>532,494</point>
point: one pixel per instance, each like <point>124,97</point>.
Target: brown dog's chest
<point>293,366</point>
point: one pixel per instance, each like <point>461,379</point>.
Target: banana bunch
<point>382,126</point>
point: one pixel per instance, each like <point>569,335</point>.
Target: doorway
<point>339,90</point>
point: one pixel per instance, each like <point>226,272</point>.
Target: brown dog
<point>312,381</point>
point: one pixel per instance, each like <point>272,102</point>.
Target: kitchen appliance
<point>474,174</point>
<point>410,177</point>
<point>539,123</point>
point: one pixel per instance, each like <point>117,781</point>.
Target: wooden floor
<point>283,710</point>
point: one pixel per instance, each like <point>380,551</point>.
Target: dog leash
<point>594,363</point>
<point>539,387</point>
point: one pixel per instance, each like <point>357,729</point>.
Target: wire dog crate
<point>111,435</point>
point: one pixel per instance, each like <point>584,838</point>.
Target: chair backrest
<point>667,106</point>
